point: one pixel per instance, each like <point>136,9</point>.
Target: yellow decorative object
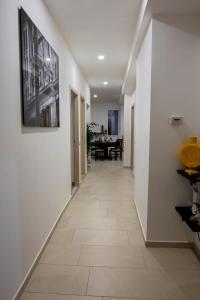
<point>189,155</point>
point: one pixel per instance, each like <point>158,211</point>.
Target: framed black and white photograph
<point>39,76</point>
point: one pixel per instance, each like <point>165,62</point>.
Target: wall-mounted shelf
<point>186,213</point>
<point>193,179</point>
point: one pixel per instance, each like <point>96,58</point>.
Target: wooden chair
<point>116,152</point>
<point>99,154</point>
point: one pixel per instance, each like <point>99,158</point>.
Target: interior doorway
<point>83,136</point>
<point>132,137</point>
<point>74,115</point>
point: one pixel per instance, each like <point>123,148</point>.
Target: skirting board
<point>32,268</point>
<point>188,245</point>
<point>141,227</point>
<point>163,244</point>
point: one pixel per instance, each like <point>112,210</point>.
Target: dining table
<point>105,146</point>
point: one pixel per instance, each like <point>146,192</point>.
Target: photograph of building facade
<point>40,77</point>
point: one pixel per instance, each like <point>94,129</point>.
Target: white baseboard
<point>162,244</point>
<point>141,226</point>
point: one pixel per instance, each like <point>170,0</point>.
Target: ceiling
<point>179,7</point>
<point>94,27</point>
<point>149,9</point>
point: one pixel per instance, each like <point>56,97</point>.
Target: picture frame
<point>39,66</point>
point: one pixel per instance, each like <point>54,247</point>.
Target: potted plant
<point>90,136</point>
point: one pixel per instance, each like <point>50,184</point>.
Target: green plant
<point>90,134</point>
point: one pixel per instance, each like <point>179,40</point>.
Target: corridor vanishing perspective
<point>97,249</point>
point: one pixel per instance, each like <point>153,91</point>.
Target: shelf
<point>194,178</point>
<point>186,213</point>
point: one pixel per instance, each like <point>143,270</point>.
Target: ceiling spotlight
<point>105,83</point>
<point>95,96</point>
<point>48,59</point>
<point>101,57</point>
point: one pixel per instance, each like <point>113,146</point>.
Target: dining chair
<point>99,154</point>
<point>117,150</point>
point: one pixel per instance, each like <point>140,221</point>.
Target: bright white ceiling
<point>154,7</point>
<point>93,27</point>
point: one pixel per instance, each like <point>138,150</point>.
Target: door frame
<point>76,98</point>
<point>83,149</point>
<point>132,135</point>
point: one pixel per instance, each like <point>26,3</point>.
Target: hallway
<point>97,249</point>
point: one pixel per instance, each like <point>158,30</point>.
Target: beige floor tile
<point>126,223</point>
<point>116,204</point>
<point>59,279</point>
<point>116,191</point>
<point>61,254</point>
<point>122,212</point>
<point>90,212</point>
<point>82,204</point>
<point>188,281</point>
<point>85,194</point>
<point>100,237</point>
<point>135,236</point>
<point>111,256</point>
<point>99,231</point>
<point>164,258</point>
<point>108,197</point>
<point>114,282</point>
<point>111,298</point>
<point>37,296</point>
<point>62,235</point>
<point>93,223</point>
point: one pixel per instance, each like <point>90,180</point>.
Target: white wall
<point>175,89</point>
<point>99,113</point>
<point>167,82</point>
<point>128,103</point>
<point>142,128</point>
<point>35,181</point>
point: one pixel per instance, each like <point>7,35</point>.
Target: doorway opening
<point>83,136</point>
<point>75,178</point>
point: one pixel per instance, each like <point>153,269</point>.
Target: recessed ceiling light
<point>105,83</point>
<point>95,96</point>
<point>101,57</point>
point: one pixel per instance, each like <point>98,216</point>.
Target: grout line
<point>81,295</point>
<point>78,261</point>
<point>101,267</point>
<point>144,259</point>
<point>128,238</point>
<point>88,281</point>
<point>60,294</point>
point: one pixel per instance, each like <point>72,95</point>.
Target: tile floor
<point>97,250</point>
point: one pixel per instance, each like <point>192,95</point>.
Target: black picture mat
<point>39,68</point>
